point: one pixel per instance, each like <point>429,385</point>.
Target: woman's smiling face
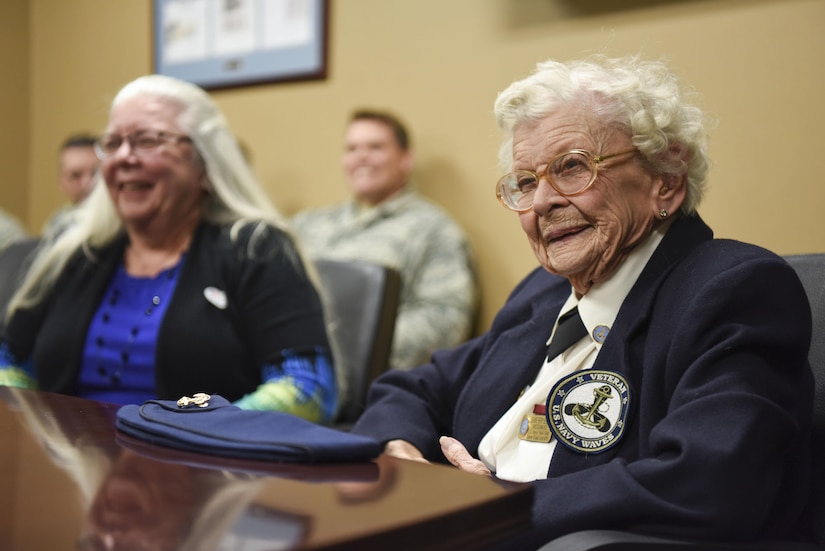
<point>585,237</point>
<point>158,186</point>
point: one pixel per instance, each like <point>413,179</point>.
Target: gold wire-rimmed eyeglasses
<point>570,173</point>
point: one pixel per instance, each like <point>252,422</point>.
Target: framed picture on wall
<point>225,43</point>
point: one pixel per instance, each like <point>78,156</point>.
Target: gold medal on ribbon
<point>534,427</point>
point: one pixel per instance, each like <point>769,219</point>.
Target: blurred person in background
<point>387,222</point>
<point>77,166</point>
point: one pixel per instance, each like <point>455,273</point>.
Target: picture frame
<point>227,43</point>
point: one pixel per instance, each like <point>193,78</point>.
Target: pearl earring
<point>663,213</point>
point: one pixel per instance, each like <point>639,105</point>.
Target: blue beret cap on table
<point>212,425</point>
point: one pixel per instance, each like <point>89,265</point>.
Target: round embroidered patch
<point>587,410</point>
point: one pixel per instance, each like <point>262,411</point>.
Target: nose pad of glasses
<point>131,151</point>
<point>546,193</point>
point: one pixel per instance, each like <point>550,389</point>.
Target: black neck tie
<point>570,330</point>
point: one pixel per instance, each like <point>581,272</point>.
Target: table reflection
<point>142,504</point>
<point>143,497</point>
<point>58,451</point>
<point>356,491</point>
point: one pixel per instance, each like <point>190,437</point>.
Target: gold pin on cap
<point>200,399</point>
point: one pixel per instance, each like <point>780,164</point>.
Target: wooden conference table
<point>68,480</point>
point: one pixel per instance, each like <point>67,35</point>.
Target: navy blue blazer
<point>713,340</point>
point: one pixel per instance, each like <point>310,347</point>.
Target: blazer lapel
<point>513,361</point>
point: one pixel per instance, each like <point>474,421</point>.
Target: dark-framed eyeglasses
<point>140,141</point>
<point>570,173</point>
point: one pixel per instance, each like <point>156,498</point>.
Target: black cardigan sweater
<point>272,307</point>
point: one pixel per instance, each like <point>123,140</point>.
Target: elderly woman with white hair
<point>176,276</point>
<point>646,376</point>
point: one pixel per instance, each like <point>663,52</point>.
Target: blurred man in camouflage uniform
<point>386,222</point>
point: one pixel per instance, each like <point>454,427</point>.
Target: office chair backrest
<point>13,259</point>
<point>362,303</point>
<point>811,270</point>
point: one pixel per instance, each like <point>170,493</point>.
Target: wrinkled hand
<point>404,450</point>
<point>457,454</point>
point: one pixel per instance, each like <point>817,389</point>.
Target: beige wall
<point>14,106</point>
<point>440,63</point>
